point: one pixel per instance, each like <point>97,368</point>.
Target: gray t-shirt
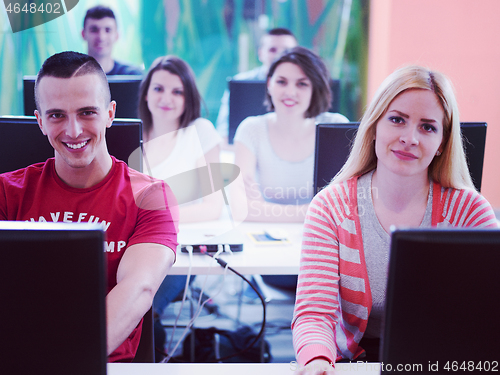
<point>280,181</point>
<point>376,244</point>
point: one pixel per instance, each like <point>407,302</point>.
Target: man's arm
<point>140,273</point>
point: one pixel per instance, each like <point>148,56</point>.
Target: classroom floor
<point>224,311</point>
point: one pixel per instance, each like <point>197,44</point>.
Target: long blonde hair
<point>450,168</point>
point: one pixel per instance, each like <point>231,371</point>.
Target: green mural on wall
<point>218,38</point>
<point>22,53</point>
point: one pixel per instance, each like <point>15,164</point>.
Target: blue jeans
<point>171,288</point>
<point>288,282</point>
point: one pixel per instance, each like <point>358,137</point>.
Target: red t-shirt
<point>132,208</point>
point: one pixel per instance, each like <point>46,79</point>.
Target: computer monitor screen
<point>246,98</point>
<point>441,303</point>
<point>333,143</point>
<point>22,143</point>
<point>29,95</point>
<point>474,140</point>
<point>122,138</point>
<point>53,298</point>
<point>124,91</point>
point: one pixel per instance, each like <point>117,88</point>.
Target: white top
<point>191,145</point>
<point>280,181</point>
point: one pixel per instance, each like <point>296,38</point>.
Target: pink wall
<point>460,38</point>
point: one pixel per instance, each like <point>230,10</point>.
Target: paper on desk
<point>262,239</point>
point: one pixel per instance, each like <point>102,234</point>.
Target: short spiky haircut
<point>98,12</point>
<point>280,31</point>
<point>71,64</point>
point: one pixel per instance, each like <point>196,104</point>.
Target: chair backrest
<point>333,144</point>
<point>246,98</point>
<point>124,90</point>
<point>22,143</point>
<point>146,350</point>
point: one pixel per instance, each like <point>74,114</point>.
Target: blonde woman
<point>407,168</point>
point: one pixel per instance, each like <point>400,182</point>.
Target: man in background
<point>101,33</point>
<point>272,44</point>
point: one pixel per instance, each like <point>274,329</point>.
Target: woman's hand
<point>317,367</point>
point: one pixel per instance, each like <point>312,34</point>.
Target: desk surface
<point>232,368</point>
<point>254,259</point>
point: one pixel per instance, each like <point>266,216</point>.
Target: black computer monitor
<point>29,95</point>
<point>442,301</point>
<point>53,292</point>
<point>333,143</point>
<point>124,90</point>
<point>22,143</point>
<point>474,139</point>
<point>246,98</point>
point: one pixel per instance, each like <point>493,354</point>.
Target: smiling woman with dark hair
<point>275,151</point>
<point>178,142</point>
<point>176,138</point>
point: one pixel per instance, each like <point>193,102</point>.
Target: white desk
<point>231,368</point>
<point>254,259</point>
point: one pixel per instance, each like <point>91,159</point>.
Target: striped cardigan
<point>333,299</point>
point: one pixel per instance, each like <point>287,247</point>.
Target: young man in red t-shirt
<point>84,183</point>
